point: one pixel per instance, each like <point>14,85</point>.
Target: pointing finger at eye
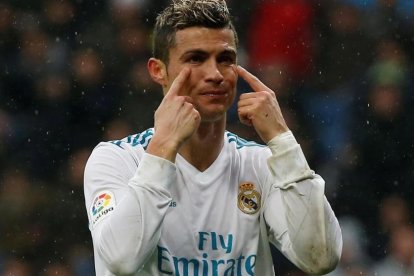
<point>252,80</point>
<point>179,82</point>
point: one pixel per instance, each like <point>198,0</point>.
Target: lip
<point>214,93</point>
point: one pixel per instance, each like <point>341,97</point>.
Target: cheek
<point>230,76</point>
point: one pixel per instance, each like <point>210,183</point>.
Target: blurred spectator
<point>95,96</point>
<point>58,16</point>
<point>281,33</point>
<point>117,129</point>
<point>393,212</point>
<point>384,141</point>
<point>330,114</point>
<point>127,13</point>
<point>16,267</point>
<point>142,97</point>
<point>385,21</point>
<point>132,33</point>
<point>8,38</point>
<point>355,259</point>
<point>242,19</point>
<point>391,65</point>
<point>68,221</point>
<point>342,54</point>
<point>400,259</point>
<point>133,42</point>
<point>23,225</point>
<point>344,50</point>
<point>81,259</point>
<point>381,144</point>
<point>6,130</point>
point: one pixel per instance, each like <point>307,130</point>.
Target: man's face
<point>211,56</point>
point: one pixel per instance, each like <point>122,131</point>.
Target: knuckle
<point>262,98</point>
<point>266,96</point>
<point>180,99</point>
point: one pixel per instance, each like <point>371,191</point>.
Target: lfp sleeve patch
<point>103,204</point>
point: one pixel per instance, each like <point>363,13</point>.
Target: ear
<point>158,71</point>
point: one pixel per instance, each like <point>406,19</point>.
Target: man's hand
<point>175,120</point>
<point>260,108</point>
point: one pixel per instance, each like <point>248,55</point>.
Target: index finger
<point>179,81</point>
<point>252,80</point>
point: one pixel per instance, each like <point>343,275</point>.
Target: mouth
<point>215,93</point>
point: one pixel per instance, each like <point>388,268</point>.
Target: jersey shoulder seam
<point>139,139</point>
<point>240,142</point>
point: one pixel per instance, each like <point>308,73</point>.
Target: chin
<point>212,117</point>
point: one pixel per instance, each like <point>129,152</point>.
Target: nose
<point>213,73</point>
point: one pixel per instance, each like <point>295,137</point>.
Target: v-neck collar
<point>193,171</point>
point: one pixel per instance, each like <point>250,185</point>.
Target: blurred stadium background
<point>73,73</point>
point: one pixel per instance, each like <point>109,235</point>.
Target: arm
<point>126,236</point>
<point>301,222</point>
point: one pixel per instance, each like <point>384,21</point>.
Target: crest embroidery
<point>248,200</point>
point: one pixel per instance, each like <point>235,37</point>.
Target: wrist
<point>163,147</point>
<point>282,142</point>
<point>268,136</point>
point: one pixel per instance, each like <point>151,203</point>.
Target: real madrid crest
<point>248,199</point>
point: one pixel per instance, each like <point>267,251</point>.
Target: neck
<point>204,146</point>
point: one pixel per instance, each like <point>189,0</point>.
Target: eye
<point>227,59</point>
<point>195,58</point>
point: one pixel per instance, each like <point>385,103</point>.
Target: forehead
<point>203,38</point>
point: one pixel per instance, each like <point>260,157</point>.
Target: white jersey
<point>149,216</point>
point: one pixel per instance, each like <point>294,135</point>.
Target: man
<point>189,198</point>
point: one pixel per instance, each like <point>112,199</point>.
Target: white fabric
<point>171,219</point>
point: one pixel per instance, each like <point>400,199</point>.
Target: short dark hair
<point>182,14</point>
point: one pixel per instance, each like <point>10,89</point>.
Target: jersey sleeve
<point>126,200</point>
<point>301,223</point>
